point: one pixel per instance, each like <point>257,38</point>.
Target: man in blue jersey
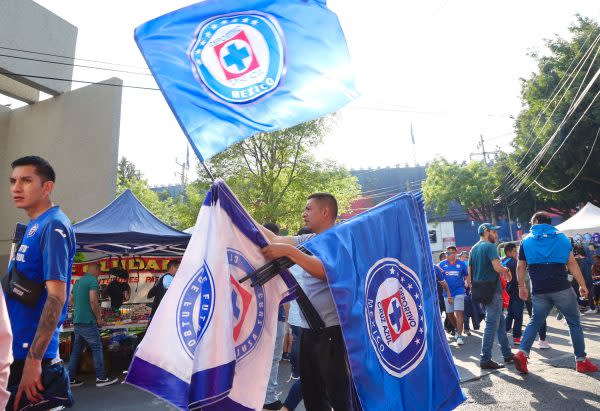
<point>547,253</point>
<point>38,379</point>
<point>455,272</point>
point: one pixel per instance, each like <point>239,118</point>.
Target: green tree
<point>470,184</point>
<point>273,173</point>
<point>547,97</point>
<point>129,177</point>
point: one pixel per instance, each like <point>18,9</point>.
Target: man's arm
<point>95,305</point>
<point>444,285</point>
<point>309,263</point>
<point>521,270</point>
<point>576,272</point>
<point>469,277</point>
<point>500,269</point>
<point>273,238</point>
<point>31,381</point>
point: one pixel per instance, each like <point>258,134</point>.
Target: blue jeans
<point>271,396</point>
<point>87,333</point>
<point>294,396</point>
<point>566,302</point>
<point>495,325</point>
<point>55,380</point>
<point>295,351</point>
<point>515,314</point>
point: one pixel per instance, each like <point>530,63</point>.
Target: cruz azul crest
<point>239,57</point>
<point>195,309</point>
<point>394,316</point>
<point>248,306</point>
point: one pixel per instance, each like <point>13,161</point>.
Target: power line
<point>71,58</point>
<point>9,74</point>
<point>75,65</point>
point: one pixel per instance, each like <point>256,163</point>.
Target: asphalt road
<point>551,385</point>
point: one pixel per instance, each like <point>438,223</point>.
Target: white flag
<point>210,344</point>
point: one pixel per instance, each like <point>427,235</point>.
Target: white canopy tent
<point>587,220</point>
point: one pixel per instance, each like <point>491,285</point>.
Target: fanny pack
<point>483,291</point>
<point>16,285</point>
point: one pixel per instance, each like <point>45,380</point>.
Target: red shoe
<point>586,366</point>
<point>516,341</point>
<point>520,361</point>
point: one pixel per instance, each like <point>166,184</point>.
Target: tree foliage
<point>273,173</point>
<point>129,177</point>
<point>547,97</point>
<point>470,184</point>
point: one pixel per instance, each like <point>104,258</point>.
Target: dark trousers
<point>514,317</point>
<point>55,379</point>
<point>326,381</point>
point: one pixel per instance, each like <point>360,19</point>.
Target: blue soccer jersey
<point>454,274</point>
<point>46,253</point>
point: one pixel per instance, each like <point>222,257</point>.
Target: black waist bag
<point>16,285</point>
<point>482,292</point>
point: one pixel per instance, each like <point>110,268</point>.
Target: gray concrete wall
<point>78,133</point>
<point>26,25</point>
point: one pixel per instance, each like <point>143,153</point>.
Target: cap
<point>486,227</point>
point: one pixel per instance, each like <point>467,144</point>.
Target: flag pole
<point>210,175</point>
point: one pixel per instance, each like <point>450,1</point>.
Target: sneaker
<point>273,406</point>
<point>459,340</point>
<point>516,341</point>
<point>508,360</point>
<point>520,360</point>
<point>490,365</point>
<point>590,311</point>
<point>543,345</point>
<point>586,366</point>
<point>103,382</point>
<point>74,382</point>
<point>468,332</point>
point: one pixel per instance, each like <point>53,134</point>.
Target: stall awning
<point>587,220</point>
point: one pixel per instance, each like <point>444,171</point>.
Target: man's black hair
<point>272,227</point>
<point>541,218</point>
<point>510,247</point>
<point>328,199</point>
<point>42,167</point>
<point>172,264</point>
<point>451,247</point>
<point>442,255</point>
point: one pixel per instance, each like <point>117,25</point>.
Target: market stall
<point>585,222</point>
<point>129,239</point>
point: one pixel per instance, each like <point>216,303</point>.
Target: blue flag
<point>380,272</point>
<point>230,69</point>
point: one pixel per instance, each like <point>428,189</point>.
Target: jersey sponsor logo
<point>195,309</point>
<point>394,316</point>
<point>248,305</point>
<point>33,230</point>
<point>61,232</point>
<point>239,57</point>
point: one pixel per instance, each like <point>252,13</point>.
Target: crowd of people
<point>546,271</point>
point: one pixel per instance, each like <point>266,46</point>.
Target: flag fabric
<point>412,134</point>
<point>230,69</point>
<point>380,272</point>
<point>210,344</point>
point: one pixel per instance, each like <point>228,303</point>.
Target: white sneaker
<point>459,340</point>
<point>103,382</point>
<point>543,345</point>
<point>590,311</point>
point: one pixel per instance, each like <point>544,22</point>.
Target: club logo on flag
<point>394,316</point>
<point>239,57</point>
<point>195,309</point>
<point>248,306</point>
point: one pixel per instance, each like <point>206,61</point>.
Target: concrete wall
<point>25,25</point>
<point>78,133</point>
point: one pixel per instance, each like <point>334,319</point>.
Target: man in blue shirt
<point>546,252</point>
<point>44,256</point>
<point>455,272</point>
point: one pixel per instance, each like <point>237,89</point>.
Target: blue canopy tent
<point>126,227</point>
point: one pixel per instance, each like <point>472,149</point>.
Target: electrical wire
<point>71,58</point>
<point>75,65</point>
<point>9,74</point>
<point>578,173</point>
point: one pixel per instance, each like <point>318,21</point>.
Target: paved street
<point>552,383</point>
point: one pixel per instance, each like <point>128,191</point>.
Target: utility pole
<point>185,166</point>
<point>483,153</point>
